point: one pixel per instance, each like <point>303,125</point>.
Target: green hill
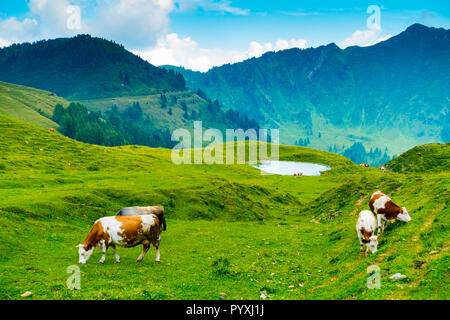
<point>28,104</point>
<point>392,94</point>
<point>229,229</point>
<point>84,67</point>
<point>432,157</point>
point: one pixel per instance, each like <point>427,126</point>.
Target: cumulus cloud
<point>364,38</point>
<point>184,51</point>
<point>133,22</point>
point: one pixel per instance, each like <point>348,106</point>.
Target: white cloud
<point>186,52</point>
<point>13,30</point>
<point>4,43</point>
<point>136,23</point>
<point>364,38</point>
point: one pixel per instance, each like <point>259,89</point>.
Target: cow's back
<point>130,231</point>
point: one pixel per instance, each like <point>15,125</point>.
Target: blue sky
<point>199,34</point>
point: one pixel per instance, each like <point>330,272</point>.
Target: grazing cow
<point>383,169</point>
<point>365,228</point>
<point>364,165</point>
<point>385,209</point>
<point>124,232</point>
<point>52,130</point>
<point>139,211</point>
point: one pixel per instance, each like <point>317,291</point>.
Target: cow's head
<point>373,244</point>
<point>84,253</point>
<point>404,216</point>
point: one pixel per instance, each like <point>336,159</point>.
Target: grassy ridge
<point>433,157</point>
<point>29,104</point>
<point>230,229</point>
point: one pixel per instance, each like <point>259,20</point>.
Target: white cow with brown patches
<point>122,231</point>
<point>365,228</point>
<point>385,209</point>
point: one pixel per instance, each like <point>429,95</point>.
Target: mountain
<point>393,94</point>
<point>110,81</point>
<point>84,67</point>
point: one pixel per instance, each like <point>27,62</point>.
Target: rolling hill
<point>28,104</point>
<point>433,157</point>
<point>229,229</point>
<point>393,94</point>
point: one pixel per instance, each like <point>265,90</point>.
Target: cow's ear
<point>79,246</point>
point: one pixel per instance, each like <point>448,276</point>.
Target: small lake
<point>291,167</point>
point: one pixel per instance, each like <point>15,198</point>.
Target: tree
<point>163,100</point>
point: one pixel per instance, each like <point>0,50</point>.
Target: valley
<point>230,229</point>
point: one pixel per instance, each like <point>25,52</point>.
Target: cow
<point>383,169</point>
<point>385,209</point>
<point>138,211</point>
<point>52,130</point>
<point>121,231</point>
<point>365,228</point>
<point>364,165</point>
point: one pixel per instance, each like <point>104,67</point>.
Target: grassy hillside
<point>229,229</point>
<point>29,104</point>
<point>432,157</point>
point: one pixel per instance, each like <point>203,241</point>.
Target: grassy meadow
<point>231,232</point>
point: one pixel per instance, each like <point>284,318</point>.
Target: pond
<point>291,167</point>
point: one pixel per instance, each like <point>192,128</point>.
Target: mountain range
<point>385,98</point>
<point>393,94</point>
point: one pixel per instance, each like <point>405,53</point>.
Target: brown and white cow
<point>365,228</point>
<point>139,211</point>
<point>109,232</point>
<point>385,209</point>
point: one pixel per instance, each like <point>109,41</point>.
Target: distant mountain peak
<point>417,27</point>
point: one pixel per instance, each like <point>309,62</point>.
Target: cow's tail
<point>163,220</point>
<point>164,223</point>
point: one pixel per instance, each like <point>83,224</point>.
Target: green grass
<point>229,229</point>
<point>29,104</point>
<point>433,157</point>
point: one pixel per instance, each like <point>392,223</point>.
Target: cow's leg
<point>384,221</point>
<point>104,249</point>
<point>379,223</point>
<point>361,248</point>
<point>367,250</point>
<point>114,249</point>
<point>145,247</point>
<point>156,244</point>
